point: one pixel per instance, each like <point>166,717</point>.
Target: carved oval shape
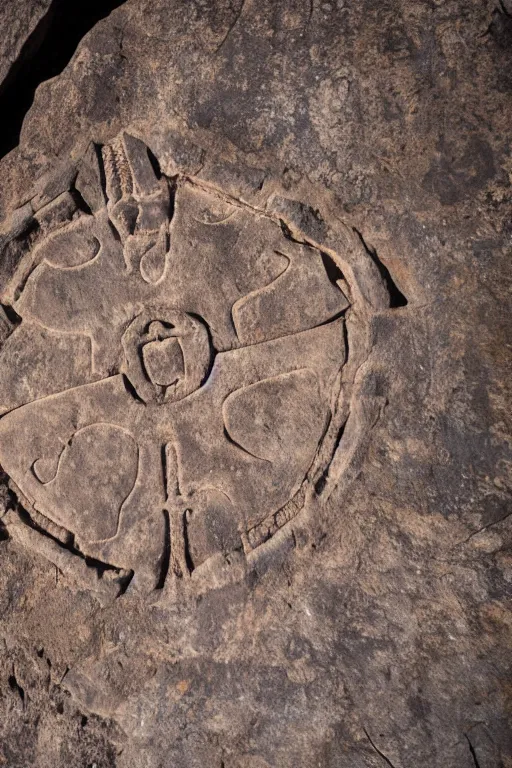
<point>152,264</point>
<point>69,247</point>
<point>96,475</point>
<point>45,470</point>
<point>277,419</point>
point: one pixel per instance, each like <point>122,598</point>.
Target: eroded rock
<point>254,424</point>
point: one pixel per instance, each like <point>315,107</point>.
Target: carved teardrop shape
<point>152,264</point>
<point>70,247</point>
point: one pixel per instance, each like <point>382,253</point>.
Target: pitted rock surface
<point>254,389</point>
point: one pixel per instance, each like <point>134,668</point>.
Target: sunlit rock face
<point>206,349</point>
<point>254,423</point>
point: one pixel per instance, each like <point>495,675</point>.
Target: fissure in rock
<point>45,54</point>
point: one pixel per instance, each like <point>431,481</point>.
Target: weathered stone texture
<point>19,22</point>
<point>255,391</point>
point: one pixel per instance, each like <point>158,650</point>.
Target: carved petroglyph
<point>174,388</point>
<point>167,354</point>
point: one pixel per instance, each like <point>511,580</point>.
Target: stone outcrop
<point>254,389</point>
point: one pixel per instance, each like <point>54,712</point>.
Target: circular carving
<point>207,409</point>
<point>167,354</point>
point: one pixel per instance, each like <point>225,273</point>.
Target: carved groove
<point>97,566</point>
<point>166,554</point>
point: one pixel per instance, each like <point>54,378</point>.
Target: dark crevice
<point>164,323</point>
<point>10,95</point>
<point>114,230</point>
<point>15,686</point>
<point>79,201</point>
<point>396,297</point>
<point>381,754</point>
<point>322,480</point>
<point>288,262</point>
<point>231,27</point>
<point>155,164</point>
<point>186,543</point>
<point>24,280</point>
<point>166,555</point>
<point>91,562</point>
<point>131,389</point>
<point>473,753</point>
<point>63,676</point>
<point>124,583</point>
<point>345,342</point>
<point>285,229</point>
<point>173,187</point>
<point>500,28</point>
<point>165,469</point>
<point>11,314</point>
<point>98,149</point>
<point>334,273</point>
<point>45,54</point>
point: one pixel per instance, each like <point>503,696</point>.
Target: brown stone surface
<point>254,391</point>
<point>19,22</point>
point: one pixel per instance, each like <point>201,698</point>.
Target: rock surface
<point>19,22</point>
<point>254,391</point>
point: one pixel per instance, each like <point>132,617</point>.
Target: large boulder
<point>254,391</point>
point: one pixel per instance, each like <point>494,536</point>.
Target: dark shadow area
<point>166,554</point>
<point>500,28</point>
<point>15,686</point>
<point>188,555</point>
<point>396,297</point>
<point>11,314</point>
<point>45,54</point>
<point>334,273</point>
